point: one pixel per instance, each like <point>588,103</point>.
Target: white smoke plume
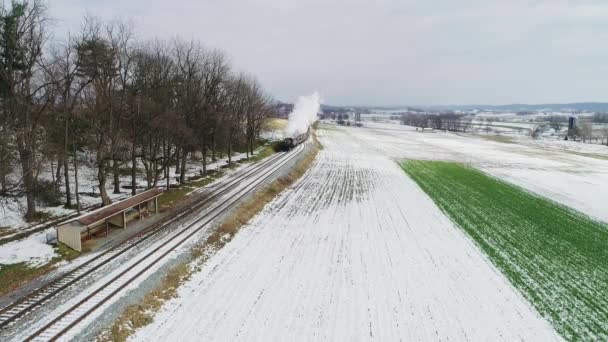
<point>303,115</point>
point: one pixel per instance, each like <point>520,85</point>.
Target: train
<point>291,142</point>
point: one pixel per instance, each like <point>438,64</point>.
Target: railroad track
<point>69,318</point>
<point>29,303</point>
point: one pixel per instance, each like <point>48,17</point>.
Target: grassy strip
<point>276,124</point>
<point>586,154</point>
<point>264,153</point>
<point>15,275</point>
<point>139,315</point>
<point>5,231</point>
<point>556,257</point>
<point>172,196</point>
<point>498,138</point>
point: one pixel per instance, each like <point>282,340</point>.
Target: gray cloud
<point>389,52</point>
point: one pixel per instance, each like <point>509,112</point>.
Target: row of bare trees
<point>126,103</point>
<point>442,121</point>
<point>586,132</point>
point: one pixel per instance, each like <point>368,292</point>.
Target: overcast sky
<point>384,52</point>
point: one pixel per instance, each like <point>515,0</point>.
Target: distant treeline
<point>442,121</point>
<point>124,101</point>
<point>600,117</point>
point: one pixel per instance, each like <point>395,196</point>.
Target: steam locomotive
<point>291,142</point>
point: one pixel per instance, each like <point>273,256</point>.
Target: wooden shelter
<point>98,222</point>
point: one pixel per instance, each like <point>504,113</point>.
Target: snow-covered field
<point>553,168</point>
<point>354,251</point>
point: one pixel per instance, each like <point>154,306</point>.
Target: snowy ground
<point>12,212</point>
<point>34,250</point>
<point>354,251</point>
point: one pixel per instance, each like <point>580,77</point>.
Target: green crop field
<point>555,256</point>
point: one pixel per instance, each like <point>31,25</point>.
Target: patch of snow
<point>33,250</point>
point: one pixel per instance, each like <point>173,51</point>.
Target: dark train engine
<point>291,142</point>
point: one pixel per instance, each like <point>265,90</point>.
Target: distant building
<point>571,126</point>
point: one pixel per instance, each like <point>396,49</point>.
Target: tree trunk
<point>25,154</point>
<point>133,170</point>
<point>76,189</point>
<point>66,176</point>
<point>58,172</point>
<point>168,167</point>
<point>166,159</point>
<point>182,175</point>
<point>3,186</point>
<point>155,183</point>
<point>53,179</point>
<point>230,148</point>
<point>4,162</point>
<point>177,160</point>
<point>101,176</point>
<point>148,172</point>
<point>213,150</point>
<point>116,172</point>
<point>204,159</point>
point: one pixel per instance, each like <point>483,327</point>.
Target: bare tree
<point>465,124</point>
<point>556,122</point>
<point>257,110</point>
<point>605,135</point>
<point>120,36</point>
<point>189,99</point>
<point>585,131</point>
<point>99,64</point>
<point>104,95</point>
<point>69,89</point>
<point>24,89</point>
<point>153,89</point>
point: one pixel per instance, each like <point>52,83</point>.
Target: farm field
<point>555,256</point>
<point>355,250</point>
<point>569,173</point>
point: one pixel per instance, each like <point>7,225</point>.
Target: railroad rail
<point>29,303</point>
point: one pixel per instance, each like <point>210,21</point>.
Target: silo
<point>571,126</point>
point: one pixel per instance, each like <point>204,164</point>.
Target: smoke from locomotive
<point>304,114</point>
